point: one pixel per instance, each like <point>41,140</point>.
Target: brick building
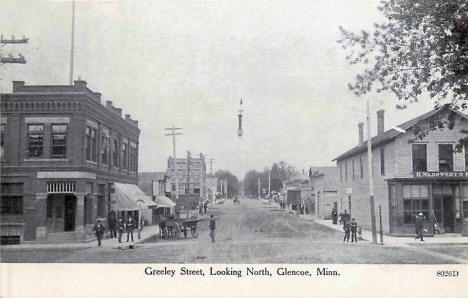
<point>62,151</point>
<point>412,175</point>
<point>191,174</point>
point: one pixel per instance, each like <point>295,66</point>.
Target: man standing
<point>353,230</point>
<point>130,227</point>
<point>112,225</point>
<point>347,228</point>
<point>419,226</point>
<point>212,228</point>
<point>120,229</point>
<point>345,217</point>
<point>205,206</point>
<point>99,231</point>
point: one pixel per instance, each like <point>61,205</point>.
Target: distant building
<point>154,184</point>
<point>411,175</point>
<point>191,174</point>
<point>62,153</point>
<point>325,191</point>
<point>301,182</point>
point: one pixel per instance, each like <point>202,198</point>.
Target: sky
<point>188,63</point>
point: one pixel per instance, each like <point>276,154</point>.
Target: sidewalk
<point>147,232</point>
<point>392,240</point>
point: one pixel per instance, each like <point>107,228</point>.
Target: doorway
<point>448,216</point>
<point>70,208</point>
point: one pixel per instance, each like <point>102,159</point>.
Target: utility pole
<point>72,42</point>
<point>173,134</point>
<point>189,159</point>
<point>10,58</point>
<point>258,188</point>
<point>269,183</point>
<point>371,178</point>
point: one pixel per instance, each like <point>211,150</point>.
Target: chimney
<point>380,122</point>
<point>127,117</point>
<point>361,132</point>
<point>80,84</point>
<point>109,104</point>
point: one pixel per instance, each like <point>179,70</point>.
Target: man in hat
<point>212,228</point>
<point>99,231</point>
<point>419,226</point>
<point>120,229</point>
<point>354,228</point>
<point>130,227</point>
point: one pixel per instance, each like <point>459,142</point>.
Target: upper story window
<point>361,169</point>
<point>445,157</point>
<point>341,172</point>
<point>353,169</point>
<point>91,143</point>
<point>382,161</point>
<point>59,141</point>
<point>115,154</point>
<point>419,157</point>
<point>125,156</point>
<point>35,140</point>
<point>133,158</point>
<point>346,170</point>
<point>105,149</point>
<point>2,140</point>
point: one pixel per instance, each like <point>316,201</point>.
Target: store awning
<point>164,202</point>
<point>128,197</point>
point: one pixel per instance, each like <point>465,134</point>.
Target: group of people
<point>349,227</point>
<point>203,207</point>
<point>118,227</point>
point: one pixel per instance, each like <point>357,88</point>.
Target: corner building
<point>62,151</point>
<point>412,175</point>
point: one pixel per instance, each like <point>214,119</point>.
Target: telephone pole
<point>10,59</point>
<point>173,134</point>
<point>371,178</point>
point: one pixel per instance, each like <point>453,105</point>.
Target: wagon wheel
<point>194,231</point>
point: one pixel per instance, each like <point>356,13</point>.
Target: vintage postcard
<point>219,148</point>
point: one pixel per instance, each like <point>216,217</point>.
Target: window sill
<point>45,159</point>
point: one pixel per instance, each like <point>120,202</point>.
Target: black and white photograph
<point>228,140</point>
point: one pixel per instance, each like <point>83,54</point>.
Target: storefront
<point>441,197</point>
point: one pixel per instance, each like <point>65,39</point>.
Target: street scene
<point>250,232</point>
<point>219,132</point>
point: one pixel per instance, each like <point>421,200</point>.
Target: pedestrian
<point>334,216</point>
<point>129,227</point>
<point>140,225</point>
<point>419,226</point>
<point>200,208</point>
<point>205,206</point>
<point>345,217</point>
<point>347,229</point>
<point>354,228</point>
<point>99,231</point>
<point>339,217</point>
<point>120,229</point>
<point>212,228</point>
<point>112,225</point>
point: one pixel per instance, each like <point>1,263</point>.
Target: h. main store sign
<point>440,174</point>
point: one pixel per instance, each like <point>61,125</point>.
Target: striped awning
<point>129,197</point>
<point>164,202</point>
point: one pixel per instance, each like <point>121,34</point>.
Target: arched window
<point>115,154</point>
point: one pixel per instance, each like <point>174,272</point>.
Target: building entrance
<point>448,216</point>
<point>61,209</point>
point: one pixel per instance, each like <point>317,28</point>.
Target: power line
<point>173,134</point>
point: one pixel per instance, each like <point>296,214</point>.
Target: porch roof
<point>128,197</point>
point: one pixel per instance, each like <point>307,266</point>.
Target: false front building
<point>416,168</point>
<point>62,153</point>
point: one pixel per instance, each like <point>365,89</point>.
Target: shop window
<point>35,140</point>
<point>465,208</point>
<point>11,198</point>
<point>2,139</point>
<point>445,157</point>
<point>415,201</point>
<point>59,141</point>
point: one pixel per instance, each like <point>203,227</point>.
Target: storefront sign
<point>440,174</point>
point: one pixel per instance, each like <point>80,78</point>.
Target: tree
<point>421,47</point>
<point>232,182</point>
<point>279,172</point>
